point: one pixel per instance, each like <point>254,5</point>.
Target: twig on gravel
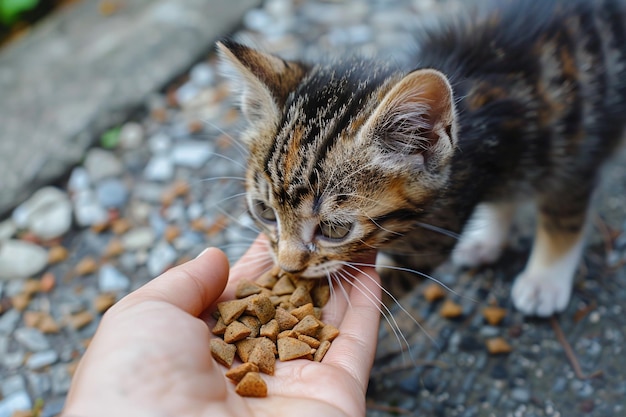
<point>387,408</point>
<point>569,352</point>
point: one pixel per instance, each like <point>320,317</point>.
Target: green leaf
<point>11,9</point>
<point>111,138</point>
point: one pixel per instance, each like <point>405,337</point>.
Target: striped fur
<point>531,103</point>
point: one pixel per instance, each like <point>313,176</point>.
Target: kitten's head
<point>343,157</point>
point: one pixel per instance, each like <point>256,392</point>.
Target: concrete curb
<point>81,72</point>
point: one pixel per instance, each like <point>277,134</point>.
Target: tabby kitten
<point>525,102</point>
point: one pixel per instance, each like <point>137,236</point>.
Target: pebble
<point>112,193</point>
<point>79,180</point>
<point>87,209</point>
<point>12,384</point>
<point>41,359</point>
<point>110,279</point>
<point>7,229</point>
<point>131,135</point>
<point>31,339</point>
<point>138,238</point>
<point>161,257</point>
<point>87,265</point>
<point>191,154</point>
<point>521,395</point>
<point>57,254</point>
<point>202,75</point>
<point>159,143</point>
<point>101,164</point>
<point>103,302</point>
<point>47,214</point>
<point>80,319</point>
<point>159,168</point>
<point>20,259</point>
<point>9,321</point>
<point>18,401</point>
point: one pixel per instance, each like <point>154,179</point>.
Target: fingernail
<point>202,253</point>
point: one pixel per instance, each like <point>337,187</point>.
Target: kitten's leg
<point>545,285</point>
<point>485,235</point>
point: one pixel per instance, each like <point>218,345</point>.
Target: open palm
<point>151,357</point>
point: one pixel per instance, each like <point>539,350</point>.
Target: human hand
<point>150,356</point>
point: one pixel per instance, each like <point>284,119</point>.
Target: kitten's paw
<point>541,294</point>
<point>476,250</point>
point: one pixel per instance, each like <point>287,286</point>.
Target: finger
<point>192,286</point>
<point>354,349</point>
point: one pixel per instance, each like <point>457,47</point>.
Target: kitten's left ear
<point>263,81</point>
<point>416,119</point>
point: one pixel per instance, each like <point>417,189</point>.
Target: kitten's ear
<point>261,80</point>
<point>416,119</point>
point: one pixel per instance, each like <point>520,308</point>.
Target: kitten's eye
<point>334,231</point>
<point>264,212</point>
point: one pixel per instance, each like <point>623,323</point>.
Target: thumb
<point>192,286</point>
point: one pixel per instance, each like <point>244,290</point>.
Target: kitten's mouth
<point>333,266</point>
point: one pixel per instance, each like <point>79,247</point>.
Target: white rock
<point>102,164</point>
<point>112,280</point>
<point>18,401</point>
<point>159,168</point>
<point>88,210</point>
<point>32,339</point>
<point>40,359</point>
<point>159,143</point>
<point>79,180</point>
<point>161,257</point>
<point>12,384</point>
<point>48,213</point>
<point>7,229</point>
<point>19,259</point>
<point>202,75</point>
<point>131,135</point>
<point>138,238</point>
<point>192,153</point>
<point>186,93</point>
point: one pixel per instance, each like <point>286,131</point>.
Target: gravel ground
<point>164,185</point>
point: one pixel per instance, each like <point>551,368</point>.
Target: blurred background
<point>119,159</point>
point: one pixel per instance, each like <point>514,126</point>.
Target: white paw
<point>541,294</point>
<point>473,251</point>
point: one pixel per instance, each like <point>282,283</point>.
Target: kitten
<point>523,103</point>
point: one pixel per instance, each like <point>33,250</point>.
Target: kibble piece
<point>288,333</point>
<point>309,326</point>
<point>220,327</point>
<point>328,332</point>
<point>246,288</point>
<point>498,346</point>
<point>321,351</point>
<point>231,310</point>
<point>244,348</point>
<point>283,286</point>
<point>300,296</point>
<point>311,341</point>
<point>252,385</point>
<point>261,306</point>
<point>290,348</point>
<point>264,355</point>
<point>433,292</point>
<point>222,352</point>
<point>494,315</point>
<point>237,373</point>
<point>285,319</point>
<point>267,280</point>
<point>251,323</point>
<point>236,331</point>
<point>320,295</point>
<point>270,330</point>
<point>451,310</point>
<point>303,311</point>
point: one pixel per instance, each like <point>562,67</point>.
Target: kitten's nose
<point>292,257</point>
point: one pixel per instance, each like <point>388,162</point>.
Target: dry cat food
<point>278,315</point>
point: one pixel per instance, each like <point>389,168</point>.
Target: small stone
<point>161,257</point>
<point>494,315</point>
<point>131,135</point>
<point>433,292</point>
<point>171,233</point>
<point>159,168</point>
<point>47,214</point>
<point>112,280</point>
<point>138,238</point>
<point>9,321</point>
<point>498,346</point>
<point>16,402</point>
<point>120,226</point>
<point>521,395</point>
<point>237,373</point>
<point>31,286</point>
<point>159,143</point>
<point>79,180</point>
<point>48,325</point>
<point>41,359</point>
<point>31,339</point>
<point>20,259</point>
<point>113,249</point>
<point>252,385</point>
<point>103,302</point>
<point>192,154</point>
<point>86,266</point>
<point>80,320</point>
<point>101,164</point>
<point>47,282</point>
<point>223,352</point>
<point>112,193</point>
<point>57,254</point>
<point>290,349</point>
<point>202,75</point>
<point>7,229</point>
<point>21,301</point>
<point>32,318</point>
<point>451,310</point>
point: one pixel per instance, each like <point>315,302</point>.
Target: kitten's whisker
<point>220,178</point>
<point>395,300</point>
<point>439,230</point>
<point>234,161</point>
<point>421,274</point>
<point>236,220</point>
<point>243,150</point>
